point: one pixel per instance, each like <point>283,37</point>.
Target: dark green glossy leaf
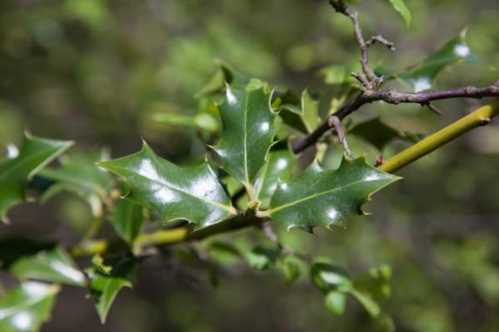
<point>301,114</point>
<point>79,174</point>
<point>401,8</point>
<point>335,302</point>
<point>248,131</point>
<point>127,219</point>
<point>380,134</point>
<point>34,154</point>
<point>108,288</point>
<point>190,193</point>
<point>329,278</point>
<point>106,281</point>
<point>52,265</point>
<point>27,307</point>
<point>279,167</point>
<point>454,51</point>
<point>326,197</point>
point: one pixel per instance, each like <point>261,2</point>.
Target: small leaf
<point>302,114</point>
<point>291,268</point>
<point>401,8</point>
<point>262,258</point>
<point>366,300</point>
<point>325,198</point>
<point>372,288</point>
<point>190,193</point>
<point>454,51</point>
<point>107,289</point>
<point>335,302</point>
<point>34,154</point>
<point>376,283</point>
<point>127,220</point>
<point>79,174</point>
<point>52,265</point>
<point>247,131</point>
<point>279,167</point>
<point>105,285</point>
<point>27,307</point>
<point>329,278</point>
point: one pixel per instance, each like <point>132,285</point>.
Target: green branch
<point>478,118</point>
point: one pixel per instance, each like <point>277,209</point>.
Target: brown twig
<point>367,78</point>
<point>382,40</point>
<point>395,97</point>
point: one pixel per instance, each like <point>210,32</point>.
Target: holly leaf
<point>105,290</point>
<point>301,114</point>
<point>15,173</point>
<point>326,197</point>
<point>51,265</point>
<point>107,280</point>
<point>79,174</point>
<point>27,307</point>
<point>189,193</point>
<point>127,220</point>
<point>247,131</point>
<point>454,51</point>
<point>279,167</point>
<point>401,8</point>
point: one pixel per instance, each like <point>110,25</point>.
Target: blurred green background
<point>96,71</point>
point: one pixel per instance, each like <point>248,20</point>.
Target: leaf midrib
<point>209,201</point>
<point>316,195</point>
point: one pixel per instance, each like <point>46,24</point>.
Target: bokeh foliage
<point>100,72</point>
